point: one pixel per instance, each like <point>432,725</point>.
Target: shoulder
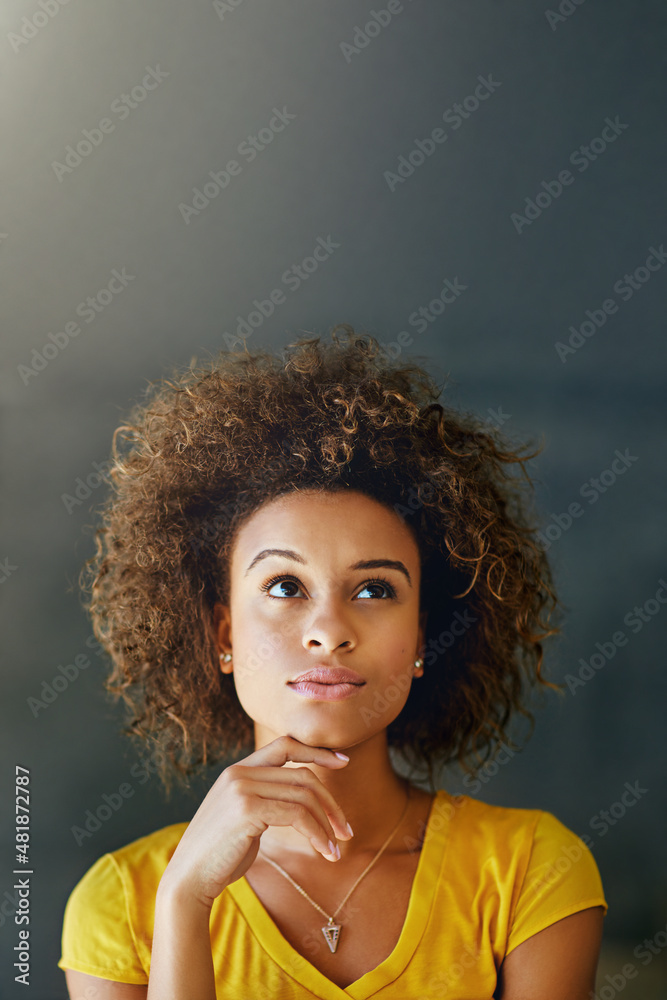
<point>152,852</point>
<point>529,855</point>
<point>509,828</point>
<point>109,915</point>
<point>484,849</point>
<point>523,868</point>
<point>484,826</point>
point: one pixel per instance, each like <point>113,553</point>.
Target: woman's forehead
<point>314,520</point>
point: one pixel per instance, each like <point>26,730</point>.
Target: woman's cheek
<point>267,657</point>
<point>385,699</point>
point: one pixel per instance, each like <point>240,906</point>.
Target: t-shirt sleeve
<point>561,878</point>
<point>97,936</point>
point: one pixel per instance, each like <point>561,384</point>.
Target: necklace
<point>332,930</point>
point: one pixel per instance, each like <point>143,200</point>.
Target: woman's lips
<point>325,692</point>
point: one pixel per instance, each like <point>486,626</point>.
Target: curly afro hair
<point>210,445</point>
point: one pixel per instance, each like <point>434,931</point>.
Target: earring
<point>419,663</point>
<point>226,657</point>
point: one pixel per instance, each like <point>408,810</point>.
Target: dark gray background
<point>324,176</point>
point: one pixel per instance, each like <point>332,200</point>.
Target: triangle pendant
<point>332,933</point>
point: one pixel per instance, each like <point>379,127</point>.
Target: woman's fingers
<point>310,818</point>
<point>286,748</point>
<point>296,778</point>
<point>222,839</point>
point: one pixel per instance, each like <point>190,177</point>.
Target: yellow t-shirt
<point>488,877</point>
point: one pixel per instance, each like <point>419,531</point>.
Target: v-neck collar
<point>422,894</point>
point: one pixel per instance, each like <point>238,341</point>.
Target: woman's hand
<point>222,839</point>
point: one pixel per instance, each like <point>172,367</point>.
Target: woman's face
<point>342,591</point>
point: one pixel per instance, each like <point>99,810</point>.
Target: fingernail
<point>335,850</point>
<point>351,831</point>
<point>342,756</point>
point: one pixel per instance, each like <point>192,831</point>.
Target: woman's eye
<point>283,588</point>
<point>375,587</point>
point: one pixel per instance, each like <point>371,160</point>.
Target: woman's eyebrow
<point>363,564</point>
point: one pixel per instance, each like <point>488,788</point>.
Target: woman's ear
<point>222,634</point>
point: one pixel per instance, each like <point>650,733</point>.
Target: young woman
<point>322,514</point>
